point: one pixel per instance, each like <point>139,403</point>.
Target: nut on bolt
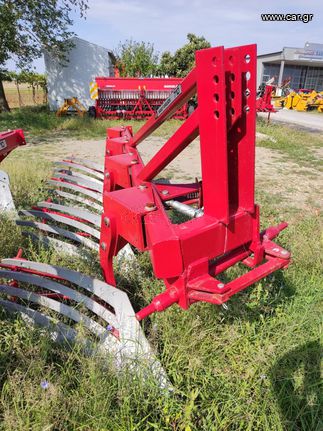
<point>134,162</point>
<point>150,206</point>
<point>106,221</point>
<point>103,245</point>
<point>165,192</point>
<point>107,175</point>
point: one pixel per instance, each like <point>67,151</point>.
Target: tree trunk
<point>34,94</point>
<point>4,107</point>
<point>19,94</point>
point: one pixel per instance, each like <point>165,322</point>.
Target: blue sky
<point>165,23</point>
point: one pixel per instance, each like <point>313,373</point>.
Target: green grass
<point>39,124</point>
<point>297,145</point>
<point>255,366</point>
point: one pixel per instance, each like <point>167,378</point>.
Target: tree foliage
<point>183,60</point>
<point>136,58</point>
<point>28,27</point>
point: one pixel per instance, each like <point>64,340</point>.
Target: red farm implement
<point>264,100</point>
<point>8,142</point>
<point>134,98</point>
<point>124,203</point>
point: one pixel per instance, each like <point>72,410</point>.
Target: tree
<point>34,80</point>
<point>136,58</point>
<point>183,60</point>
<point>28,27</point>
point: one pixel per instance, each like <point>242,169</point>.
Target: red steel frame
<point>189,256</point>
<point>9,141</point>
<point>134,98</point>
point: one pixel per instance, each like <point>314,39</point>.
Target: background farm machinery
<point>271,96</point>
<point>124,203</point>
<point>8,142</point>
<point>304,100</point>
<point>134,98</point>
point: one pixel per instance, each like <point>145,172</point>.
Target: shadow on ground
<point>297,385</point>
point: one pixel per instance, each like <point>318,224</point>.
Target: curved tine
<point>87,163</point>
<point>56,244</point>
<point>74,211</point>
<point>83,168</point>
<point>77,198</point>
<point>60,331</point>
<point>81,181</point>
<point>75,174</point>
<point>90,193</point>
<point>60,308</point>
<point>110,294</point>
<point>61,232</point>
<point>61,219</point>
<point>56,287</point>
<point>133,341</point>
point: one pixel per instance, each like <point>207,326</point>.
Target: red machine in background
<point>135,98</point>
<point>9,141</point>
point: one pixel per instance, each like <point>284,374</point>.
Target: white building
<point>303,66</point>
<point>85,61</point>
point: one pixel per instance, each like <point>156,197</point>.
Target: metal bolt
<point>247,92</point>
<point>108,152</point>
<point>106,221</point>
<point>284,252</point>
<point>103,245</point>
<point>107,175</point>
<point>276,249</point>
<point>220,285</point>
<point>247,108</point>
<point>142,187</point>
<point>134,162</point>
<point>165,192</point>
<point>131,153</point>
<point>150,206</point>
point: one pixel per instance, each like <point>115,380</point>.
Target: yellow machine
<point>296,101</point>
<point>315,101</point>
<point>71,106</point>
<point>304,101</point>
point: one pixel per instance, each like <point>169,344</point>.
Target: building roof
<point>76,38</point>
<point>270,54</point>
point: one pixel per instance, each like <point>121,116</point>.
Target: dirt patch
<point>292,185</point>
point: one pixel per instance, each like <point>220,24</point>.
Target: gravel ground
<point>293,185</point>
